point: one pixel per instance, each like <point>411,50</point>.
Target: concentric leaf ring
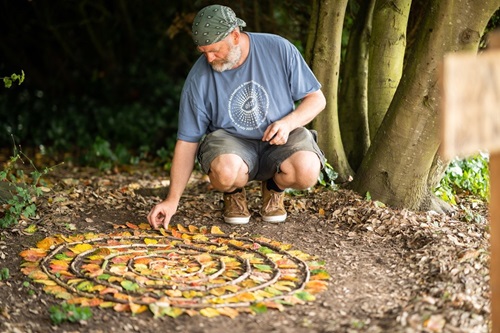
<point>182,270</point>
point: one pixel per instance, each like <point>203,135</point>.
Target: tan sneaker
<point>273,209</point>
<point>235,208</point>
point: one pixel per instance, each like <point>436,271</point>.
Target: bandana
<point>214,23</point>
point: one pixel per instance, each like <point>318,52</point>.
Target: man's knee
<point>227,169</point>
<point>304,167</point>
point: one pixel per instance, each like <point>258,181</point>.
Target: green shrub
<point>468,176</point>
<point>328,176</point>
<point>69,313</point>
<point>19,190</point>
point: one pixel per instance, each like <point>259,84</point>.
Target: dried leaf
<point>209,312</point>
<point>215,230</point>
<point>80,248</point>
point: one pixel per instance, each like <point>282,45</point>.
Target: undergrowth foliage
<point>466,176</point>
<point>19,189</point>
<point>69,313</point>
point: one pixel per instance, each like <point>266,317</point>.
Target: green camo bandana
<point>213,23</point>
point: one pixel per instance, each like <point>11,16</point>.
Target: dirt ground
<point>391,270</point>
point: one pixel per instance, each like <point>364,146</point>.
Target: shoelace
<point>233,200</point>
<point>275,200</point>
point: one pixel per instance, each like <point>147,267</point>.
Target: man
<point>239,101</point>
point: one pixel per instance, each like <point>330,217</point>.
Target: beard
<point>229,62</point>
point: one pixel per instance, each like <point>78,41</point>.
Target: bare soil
<point>391,270</point>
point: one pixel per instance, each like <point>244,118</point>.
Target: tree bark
<point>396,169</point>
<point>353,99</point>
<point>387,49</point>
<point>323,55</point>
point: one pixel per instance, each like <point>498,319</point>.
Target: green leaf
<point>129,285</point>
<point>4,274</point>
<point>258,308</point>
<point>305,296</point>
<point>265,250</point>
<point>263,268</point>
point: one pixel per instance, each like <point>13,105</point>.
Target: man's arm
<point>182,167</point>
<point>310,106</point>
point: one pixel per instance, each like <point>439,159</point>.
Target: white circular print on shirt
<point>248,106</point>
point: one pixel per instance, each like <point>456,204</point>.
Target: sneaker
<point>235,208</point>
<point>273,209</point>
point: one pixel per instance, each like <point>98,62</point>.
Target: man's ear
<point>235,35</point>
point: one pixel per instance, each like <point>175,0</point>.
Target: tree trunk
<point>323,55</point>
<point>396,169</point>
<point>353,99</point>
<point>387,49</point>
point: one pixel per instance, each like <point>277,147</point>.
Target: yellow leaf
<point>144,226</point>
<point>137,308</point>
<point>216,230</point>
<point>46,282</point>
<point>106,305</point>
<point>149,241</point>
<point>31,229</point>
<point>218,291</point>
<point>209,312</point>
<point>80,248</point>
<point>246,297</point>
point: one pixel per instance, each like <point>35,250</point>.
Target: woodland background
<point>103,80</point>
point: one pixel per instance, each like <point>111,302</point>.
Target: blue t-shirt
<point>246,100</point>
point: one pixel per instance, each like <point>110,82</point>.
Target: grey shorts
<point>263,159</point>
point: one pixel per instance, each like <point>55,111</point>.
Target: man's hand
<point>277,133</point>
<point>161,214</point>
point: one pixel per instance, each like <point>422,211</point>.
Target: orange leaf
<point>46,243</point>
<point>321,212</point>
<point>38,275</point>
<point>131,225</point>
<point>246,297</point>
<point>33,255</point>
<point>176,234</point>
<point>216,230</point>
<point>108,291</point>
<point>229,312</point>
<point>58,292</point>
<point>182,228</point>
<point>121,307</point>
<point>193,229</point>
<point>316,286</point>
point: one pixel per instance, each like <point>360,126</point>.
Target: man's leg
<point>228,161</point>
<point>296,165</point>
<point>299,171</point>
<point>228,172</point>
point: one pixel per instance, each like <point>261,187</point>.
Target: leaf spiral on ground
<point>182,270</point>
